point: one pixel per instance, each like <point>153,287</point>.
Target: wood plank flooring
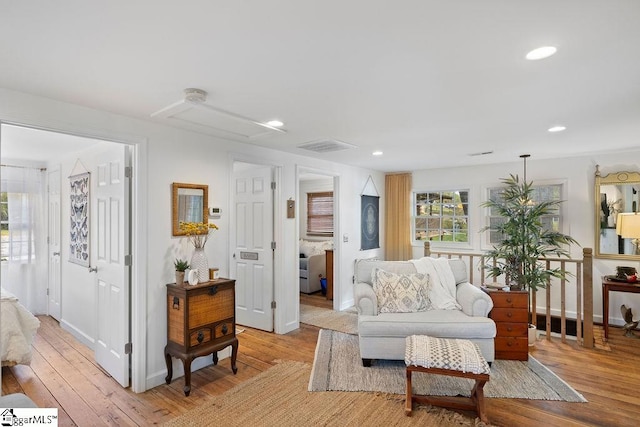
<point>63,374</point>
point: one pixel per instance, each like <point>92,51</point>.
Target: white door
<point>53,286</point>
<point>110,256</point>
<point>251,238</point>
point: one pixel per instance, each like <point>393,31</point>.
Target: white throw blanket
<point>19,327</point>
<point>443,282</point>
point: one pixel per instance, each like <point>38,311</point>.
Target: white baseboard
<point>78,334</point>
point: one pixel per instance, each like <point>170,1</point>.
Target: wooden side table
<point>200,321</point>
<point>511,314</point>
<point>613,286</point>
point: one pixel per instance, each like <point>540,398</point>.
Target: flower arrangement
<point>198,232</point>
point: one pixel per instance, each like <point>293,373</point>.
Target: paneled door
<point>54,234</point>
<point>110,223</point>
<point>251,241</point>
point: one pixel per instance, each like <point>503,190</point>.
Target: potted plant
<point>525,240</point>
<point>181,267</point>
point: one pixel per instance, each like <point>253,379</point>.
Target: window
<point>17,238</point>
<point>441,216</point>
<point>320,214</point>
<point>539,193</point>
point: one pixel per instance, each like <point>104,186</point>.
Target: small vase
<point>179,278</point>
<point>199,262</point>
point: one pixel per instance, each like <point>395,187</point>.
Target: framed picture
<point>79,242</point>
<point>369,222</point>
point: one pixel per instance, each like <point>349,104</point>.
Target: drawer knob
<point>509,314</point>
<point>509,300</point>
<point>200,337</point>
<point>509,343</point>
<point>225,329</point>
<point>509,329</point>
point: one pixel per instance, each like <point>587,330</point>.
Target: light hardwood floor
<point>63,374</point>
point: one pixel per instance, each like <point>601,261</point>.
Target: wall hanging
<point>80,192</point>
<point>369,218</point>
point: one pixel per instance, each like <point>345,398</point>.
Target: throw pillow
<point>401,293</point>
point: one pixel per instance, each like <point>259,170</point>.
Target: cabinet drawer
<point>210,306</point>
<point>224,329</point>
<point>510,299</point>
<point>509,315</point>
<point>512,355</point>
<point>512,344</point>
<point>200,336</point>
<point>507,329</point>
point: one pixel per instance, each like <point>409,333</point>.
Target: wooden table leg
<point>408,404</point>
<point>605,311</point>
<point>234,355</point>
<point>187,376</point>
<point>167,359</point>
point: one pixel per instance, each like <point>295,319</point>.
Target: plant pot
<point>533,335</point>
<point>179,278</point>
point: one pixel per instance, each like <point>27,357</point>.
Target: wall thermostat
<point>214,213</point>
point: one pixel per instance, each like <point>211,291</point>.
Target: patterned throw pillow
<point>401,293</point>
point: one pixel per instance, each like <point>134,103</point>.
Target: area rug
<point>279,397</point>
<point>342,321</point>
<point>337,366</point>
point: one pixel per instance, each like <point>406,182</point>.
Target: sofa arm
<point>474,301</point>
<point>366,300</point>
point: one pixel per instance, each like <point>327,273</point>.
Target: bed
<point>17,329</point>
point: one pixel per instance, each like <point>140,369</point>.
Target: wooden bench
<point>452,357</point>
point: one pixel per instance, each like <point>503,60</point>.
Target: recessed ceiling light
<point>275,123</point>
<point>557,128</point>
<point>541,53</point>
<point>377,153</point>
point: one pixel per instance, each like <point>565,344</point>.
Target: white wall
<point>172,155</point>
<point>578,174</point>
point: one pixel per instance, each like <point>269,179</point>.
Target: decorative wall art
<point>79,215</point>
<point>369,216</point>
<point>370,222</point>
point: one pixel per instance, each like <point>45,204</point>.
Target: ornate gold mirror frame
<point>189,203</point>
<point>617,192</point>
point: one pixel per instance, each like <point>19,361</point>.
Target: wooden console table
<point>613,286</point>
<point>200,321</point>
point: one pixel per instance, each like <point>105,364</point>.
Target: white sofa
<point>382,335</point>
<point>313,264</point>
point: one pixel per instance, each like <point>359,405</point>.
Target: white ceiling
<point>427,82</point>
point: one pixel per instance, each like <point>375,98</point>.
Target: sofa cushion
<point>435,323</point>
<point>401,293</point>
<point>309,248</point>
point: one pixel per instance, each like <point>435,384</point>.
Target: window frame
<point>311,195</point>
<point>442,243</point>
<point>562,213</point>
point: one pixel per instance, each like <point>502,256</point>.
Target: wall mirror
<point>189,204</point>
<point>617,192</point>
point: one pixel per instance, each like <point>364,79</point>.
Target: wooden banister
<point>581,269</point>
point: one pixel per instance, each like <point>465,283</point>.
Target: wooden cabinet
<point>329,271</point>
<point>200,321</point>
<point>511,314</point>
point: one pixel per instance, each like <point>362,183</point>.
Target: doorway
<point>56,148</point>
<point>310,184</point>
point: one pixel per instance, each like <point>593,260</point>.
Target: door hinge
<point>48,240</point>
<point>273,305</point>
<point>47,291</point>
<point>128,348</point>
<point>273,246</point>
<point>273,185</point>
<point>127,260</point>
<point>128,171</point>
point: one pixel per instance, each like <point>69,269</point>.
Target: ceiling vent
<point>194,113</point>
<point>326,146</point>
<point>481,153</point>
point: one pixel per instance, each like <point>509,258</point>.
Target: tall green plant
<point>525,240</point>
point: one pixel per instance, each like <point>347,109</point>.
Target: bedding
<point>17,329</point>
